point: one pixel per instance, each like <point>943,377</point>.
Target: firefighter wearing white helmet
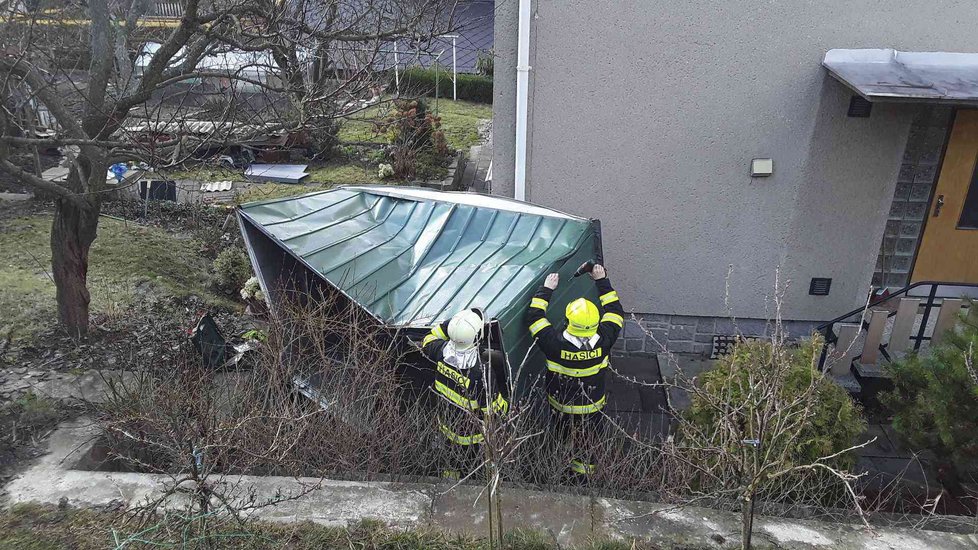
<point>466,382</point>
<point>577,354</point>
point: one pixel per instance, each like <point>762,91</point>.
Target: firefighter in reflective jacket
<point>577,355</point>
<point>466,383</point>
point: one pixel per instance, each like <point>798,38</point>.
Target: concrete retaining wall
<point>572,520</point>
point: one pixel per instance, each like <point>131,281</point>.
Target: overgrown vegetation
<point>935,396</point>
<point>231,269</point>
<point>24,421</point>
<point>31,527</point>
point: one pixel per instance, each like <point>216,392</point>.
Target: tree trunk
<point>72,234</point>
<point>747,521</point>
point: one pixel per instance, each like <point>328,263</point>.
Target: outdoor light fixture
<point>761,168</point>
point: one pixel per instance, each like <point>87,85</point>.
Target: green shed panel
<point>413,257</point>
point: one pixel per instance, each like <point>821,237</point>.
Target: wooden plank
<point>946,319</point>
<point>903,325</point>
<point>874,336</point>
<point>845,349</point>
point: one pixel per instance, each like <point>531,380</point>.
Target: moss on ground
<point>31,527</point>
<point>124,256</point>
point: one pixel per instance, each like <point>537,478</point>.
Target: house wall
<point>646,116</point>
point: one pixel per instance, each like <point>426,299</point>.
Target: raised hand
<point>552,280</point>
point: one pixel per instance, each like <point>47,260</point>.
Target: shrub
<point>415,135</point>
<point>232,269</point>
<point>795,386</point>
<point>935,395</point>
<point>470,87</point>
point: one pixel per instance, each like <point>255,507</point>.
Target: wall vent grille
<point>859,107</point>
<point>820,286</point>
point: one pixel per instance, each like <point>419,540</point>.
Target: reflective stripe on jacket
<point>576,376</point>
<point>463,390</point>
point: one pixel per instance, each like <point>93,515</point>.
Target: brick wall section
<point>915,184</point>
<point>690,334</point>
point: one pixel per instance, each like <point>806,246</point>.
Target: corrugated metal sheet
<point>285,173</point>
<point>412,258</point>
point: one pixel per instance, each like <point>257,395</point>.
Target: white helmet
<point>465,329</point>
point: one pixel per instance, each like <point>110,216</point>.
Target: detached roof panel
<point>412,257</point>
<point>892,75</point>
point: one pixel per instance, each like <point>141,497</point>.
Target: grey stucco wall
<point>646,115</point>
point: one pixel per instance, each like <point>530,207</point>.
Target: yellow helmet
<point>582,318</point>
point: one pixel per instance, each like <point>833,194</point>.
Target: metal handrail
<point>828,328</point>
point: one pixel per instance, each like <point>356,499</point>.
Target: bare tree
<point>111,98</point>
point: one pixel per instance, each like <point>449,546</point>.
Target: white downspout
<point>522,84</point>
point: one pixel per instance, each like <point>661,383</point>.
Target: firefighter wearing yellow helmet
<point>577,355</point>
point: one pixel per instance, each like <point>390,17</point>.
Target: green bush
<point>935,396</point>
<point>833,423</point>
<point>418,148</point>
<point>231,269</point>
<point>470,87</point>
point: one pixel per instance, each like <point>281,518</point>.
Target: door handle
<point>939,205</point>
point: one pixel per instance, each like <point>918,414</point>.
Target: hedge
<point>471,87</point>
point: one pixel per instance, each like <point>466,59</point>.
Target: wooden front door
<point>949,249</point>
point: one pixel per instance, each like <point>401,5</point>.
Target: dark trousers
<point>578,432</point>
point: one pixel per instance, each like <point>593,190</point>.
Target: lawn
<point>124,256</point>
<point>30,527</point>
<point>459,120</point>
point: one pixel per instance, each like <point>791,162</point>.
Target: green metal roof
<point>413,257</point>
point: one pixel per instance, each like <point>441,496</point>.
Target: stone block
<point>634,344</point>
<point>753,327</point>
<point>706,325</point>
<point>682,332</point>
<point>704,339</point>
<point>656,338</point>
<point>680,346</point>
<point>688,320</point>
<point>725,327</point>
<point>633,329</point>
<point>619,345</point>
<point>702,348</point>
